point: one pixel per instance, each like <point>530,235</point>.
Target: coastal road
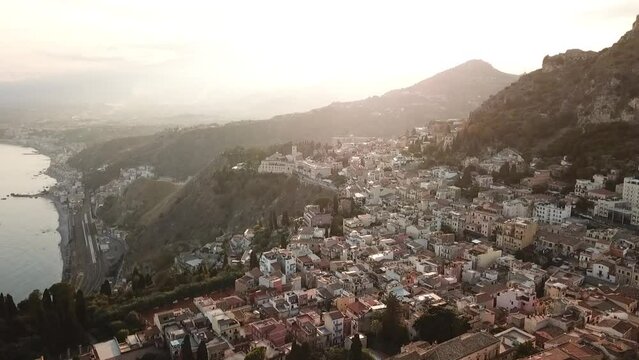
<point>87,265</point>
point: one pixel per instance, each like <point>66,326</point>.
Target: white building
<point>515,208</point>
<point>631,191</point>
<point>312,169</point>
<point>276,164</point>
<point>551,213</point>
<point>582,186</point>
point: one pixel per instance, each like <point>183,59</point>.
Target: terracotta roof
<point>461,346</point>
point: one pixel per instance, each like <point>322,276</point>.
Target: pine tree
<point>10,307</point>
<point>273,220</point>
<point>356,348</point>
<point>253,260</point>
<point>296,352</point>
<point>47,302</point>
<point>2,305</point>
<point>80,308</point>
<point>202,352</point>
<point>105,289</point>
<point>258,353</point>
<point>186,353</point>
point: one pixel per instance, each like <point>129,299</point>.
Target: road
<point>88,268</point>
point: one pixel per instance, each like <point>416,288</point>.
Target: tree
<point>105,289</point>
<point>466,180</point>
<point>296,352</point>
<point>256,354</point>
<point>356,348</point>
<point>202,353</point>
<point>392,334</point>
<point>286,222</point>
<point>253,261</point>
<point>283,241</point>
<point>525,350</point>
<point>186,353</point>
<point>10,308</point>
<point>504,172</point>
<point>440,324</point>
<point>337,226</point>
<point>80,308</point>
<point>335,204</point>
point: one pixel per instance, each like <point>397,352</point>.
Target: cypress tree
<point>10,307</point>
<point>202,353</point>
<point>80,308</point>
<point>186,353</point>
<point>253,261</point>
<point>2,305</point>
<point>105,289</point>
<point>356,348</point>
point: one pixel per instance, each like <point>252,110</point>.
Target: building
<point>516,234</point>
<point>583,186</point>
<point>631,191</point>
<point>313,216</point>
<point>551,213</point>
<point>515,208</point>
<point>276,164</point>
<point>269,329</point>
<point>334,322</point>
<point>482,221</point>
<point>476,346</point>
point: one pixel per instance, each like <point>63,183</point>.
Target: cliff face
<point>574,90</point>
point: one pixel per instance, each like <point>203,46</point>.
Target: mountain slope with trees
<point>583,104</point>
<point>213,203</point>
<point>182,152</point>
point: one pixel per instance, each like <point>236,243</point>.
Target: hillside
<point>180,153</point>
<point>583,104</point>
<point>136,201</point>
<point>213,203</point>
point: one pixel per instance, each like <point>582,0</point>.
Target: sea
<point>30,256</point>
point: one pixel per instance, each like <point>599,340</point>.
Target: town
<point>500,258</point>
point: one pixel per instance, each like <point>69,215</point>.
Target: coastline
<point>64,219</point>
<point>63,229</point>
<point>63,211</point>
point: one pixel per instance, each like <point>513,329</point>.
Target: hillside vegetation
<point>581,104</point>
<point>213,203</point>
<point>183,152</point>
<point>137,200</point>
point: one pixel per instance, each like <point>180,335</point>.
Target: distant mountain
<point>583,104</point>
<point>450,94</point>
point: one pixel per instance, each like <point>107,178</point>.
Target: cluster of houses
<point>514,261</point>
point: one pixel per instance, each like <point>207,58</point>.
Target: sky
<point>283,54</point>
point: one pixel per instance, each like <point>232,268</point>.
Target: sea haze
<point>29,241</point>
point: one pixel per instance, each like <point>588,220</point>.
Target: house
<point>106,350</point>
<point>516,234</point>
<point>551,213</point>
<point>313,216</point>
<point>334,322</point>
<point>475,346</point>
<point>269,329</point>
<point>583,186</point>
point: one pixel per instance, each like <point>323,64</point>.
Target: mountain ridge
<point>575,91</point>
<point>182,153</point>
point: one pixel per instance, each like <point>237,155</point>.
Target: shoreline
<point>63,229</point>
<point>63,211</point>
<point>64,218</point>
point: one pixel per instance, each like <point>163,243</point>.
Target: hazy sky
<point>190,52</point>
